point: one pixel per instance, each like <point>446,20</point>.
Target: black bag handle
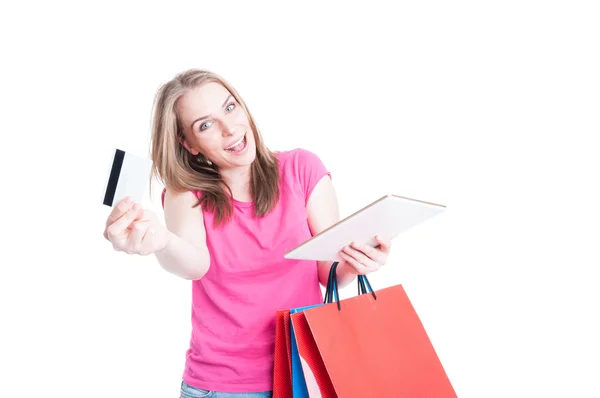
<point>332,294</point>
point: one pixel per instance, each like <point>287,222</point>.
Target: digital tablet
<point>388,217</point>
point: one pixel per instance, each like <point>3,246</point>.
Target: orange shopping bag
<point>371,345</point>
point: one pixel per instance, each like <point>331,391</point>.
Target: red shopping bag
<point>282,366</point>
<point>318,383</point>
<point>373,345</point>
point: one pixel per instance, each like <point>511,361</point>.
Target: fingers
<point>385,245</point>
<point>138,233</point>
<point>120,225</point>
<point>361,262</point>
<point>370,252</point>
<point>119,210</point>
<point>365,258</point>
<point>358,266</point>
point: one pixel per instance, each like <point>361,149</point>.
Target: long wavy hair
<point>181,171</point>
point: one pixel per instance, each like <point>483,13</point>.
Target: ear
<point>187,146</point>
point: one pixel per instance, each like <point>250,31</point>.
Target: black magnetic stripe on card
<point>113,180</point>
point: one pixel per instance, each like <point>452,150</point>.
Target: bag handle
<point>332,294</point>
<point>331,285</point>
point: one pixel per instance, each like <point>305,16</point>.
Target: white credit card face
<point>129,176</point>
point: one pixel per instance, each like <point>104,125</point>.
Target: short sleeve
<point>310,170</point>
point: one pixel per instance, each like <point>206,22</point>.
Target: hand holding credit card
<point>129,227</point>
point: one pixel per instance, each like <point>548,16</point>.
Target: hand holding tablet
<point>387,217</point>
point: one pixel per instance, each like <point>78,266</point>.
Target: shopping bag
<point>317,381</point>
<point>315,374</point>
<point>292,377</point>
<point>282,364</point>
<point>303,384</point>
<point>374,345</point>
<point>289,378</point>
<point>309,377</point>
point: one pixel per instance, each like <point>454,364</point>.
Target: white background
<point>491,108</point>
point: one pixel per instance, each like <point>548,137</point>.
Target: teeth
<point>239,141</point>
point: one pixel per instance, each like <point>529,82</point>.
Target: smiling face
<point>216,126</point>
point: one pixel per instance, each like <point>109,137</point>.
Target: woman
<point>232,209</point>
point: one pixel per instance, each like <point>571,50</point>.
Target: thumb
<point>123,222</point>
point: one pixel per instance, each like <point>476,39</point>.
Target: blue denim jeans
<point>188,391</point>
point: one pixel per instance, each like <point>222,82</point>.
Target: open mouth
<point>237,146</point>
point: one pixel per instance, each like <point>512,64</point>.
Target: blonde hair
<point>181,171</point>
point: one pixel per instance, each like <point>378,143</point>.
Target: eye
<point>205,125</point>
<point>230,107</point>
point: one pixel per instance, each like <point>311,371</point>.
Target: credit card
<point>129,176</point>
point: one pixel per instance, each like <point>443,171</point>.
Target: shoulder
<point>179,198</point>
<point>298,158</point>
<point>302,168</point>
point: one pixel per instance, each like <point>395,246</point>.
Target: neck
<point>238,179</point>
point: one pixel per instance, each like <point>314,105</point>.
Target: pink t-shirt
<point>234,304</point>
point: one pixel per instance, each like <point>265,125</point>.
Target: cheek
<point>209,142</point>
<point>242,119</point>
<point>252,139</point>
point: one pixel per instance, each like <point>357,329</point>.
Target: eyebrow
<point>204,117</point>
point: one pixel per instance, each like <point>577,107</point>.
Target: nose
<point>227,129</point>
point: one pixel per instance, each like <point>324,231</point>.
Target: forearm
<point>183,259</point>
<point>344,273</point>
